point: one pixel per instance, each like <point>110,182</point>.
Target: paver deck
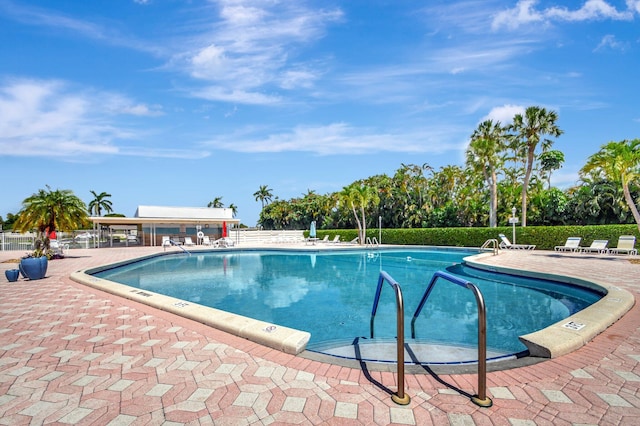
<point>70,354</point>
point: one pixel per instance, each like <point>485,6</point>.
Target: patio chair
<point>57,247</point>
<point>188,241</point>
<point>325,239</point>
<point>572,244</point>
<point>597,246</point>
<point>626,245</point>
<point>166,240</point>
<point>336,239</point>
<point>206,241</point>
<point>506,244</point>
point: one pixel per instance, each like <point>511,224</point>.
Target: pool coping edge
<point>576,330</point>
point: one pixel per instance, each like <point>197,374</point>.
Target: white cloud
<point>504,114</point>
<point>609,42</point>
<point>251,47</point>
<point>339,139</point>
<point>50,118</point>
<point>525,12</point>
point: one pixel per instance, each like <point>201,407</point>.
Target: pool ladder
<point>492,244</point>
<point>481,399</point>
<point>372,242</point>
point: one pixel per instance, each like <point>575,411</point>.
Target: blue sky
<point>168,102</point>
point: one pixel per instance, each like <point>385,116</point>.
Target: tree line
<point>505,167</point>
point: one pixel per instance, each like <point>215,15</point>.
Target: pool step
<point>416,352</point>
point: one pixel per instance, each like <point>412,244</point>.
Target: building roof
<point>171,215</point>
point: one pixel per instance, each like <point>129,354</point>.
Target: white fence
<point>254,236</point>
<point>86,239</point>
<point>16,241</point>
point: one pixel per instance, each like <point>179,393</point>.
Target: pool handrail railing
<point>481,399</point>
<point>399,397</point>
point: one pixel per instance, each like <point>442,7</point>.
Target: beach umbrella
<point>224,229</point>
<point>312,229</point>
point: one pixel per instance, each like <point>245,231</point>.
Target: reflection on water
<point>331,294</point>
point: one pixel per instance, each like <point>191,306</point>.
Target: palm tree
<point>529,129</point>
<point>216,203</point>
<point>55,210</point>
<point>264,195</point>
<point>99,203</point>
<point>358,197</point>
<point>620,163</point>
<point>234,209</point>
<point>484,155</point>
<point>550,161</point>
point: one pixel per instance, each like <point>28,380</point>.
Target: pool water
<point>330,293</point>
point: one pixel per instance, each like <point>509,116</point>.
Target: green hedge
<point>544,237</point>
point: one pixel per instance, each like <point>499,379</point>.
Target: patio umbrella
<point>224,229</point>
<point>312,229</point>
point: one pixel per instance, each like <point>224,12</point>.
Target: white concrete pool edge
<point>274,336</point>
<point>575,331</point>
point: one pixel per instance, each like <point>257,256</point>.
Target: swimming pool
<point>330,293</point>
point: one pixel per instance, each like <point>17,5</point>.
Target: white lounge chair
<point>325,239</point>
<point>57,247</point>
<point>572,244</point>
<point>506,244</point>
<point>206,241</point>
<point>166,240</point>
<point>335,240</point>
<point>626,245</point>
<point>224,242</point>
<point>597,246</point>
<point>188,241</point>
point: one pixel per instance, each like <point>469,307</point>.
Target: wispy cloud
<point>250,51</point>
<point>339,139</point>
<point>36,16</point>
<point>50,118</point>
<point>609,42</point>
<point>525,12</point>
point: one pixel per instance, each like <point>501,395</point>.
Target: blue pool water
<point>330,293</point>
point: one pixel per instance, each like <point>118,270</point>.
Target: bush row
<point>544,237</point>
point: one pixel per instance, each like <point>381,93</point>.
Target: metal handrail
<point>173,243</point>
<point>481,398</point>
<point>372,241</point>
<point>399,397</point>
<point>495,246</point>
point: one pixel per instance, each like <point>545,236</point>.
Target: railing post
<point>481,398</point>
<point>399,397</point>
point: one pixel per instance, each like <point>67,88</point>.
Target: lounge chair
<point>626,245</point>
<point>597,246</point>
<point>224,242</point>
<point>206,241</point>
<point>572,244</point>
<point>188,241</point>
<point>335,240</point>
<point>166,240</point>
<point>506,244</point>
<point>57,247</point>
<point>325,239</point>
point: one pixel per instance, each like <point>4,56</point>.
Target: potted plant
<point>34,264</point>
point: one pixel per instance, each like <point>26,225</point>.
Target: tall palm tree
<point>620,163</point>
<point>485,155</point>
<point>528,131</point>
<point>216,203</point>
<point>99,203</point>
<point>55,210</point>
<point>264,195</point>
<point>234,209</point>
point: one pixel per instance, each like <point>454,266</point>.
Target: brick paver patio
<point>73,355</point>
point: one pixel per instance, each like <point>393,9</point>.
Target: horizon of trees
<point>505,166</point>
